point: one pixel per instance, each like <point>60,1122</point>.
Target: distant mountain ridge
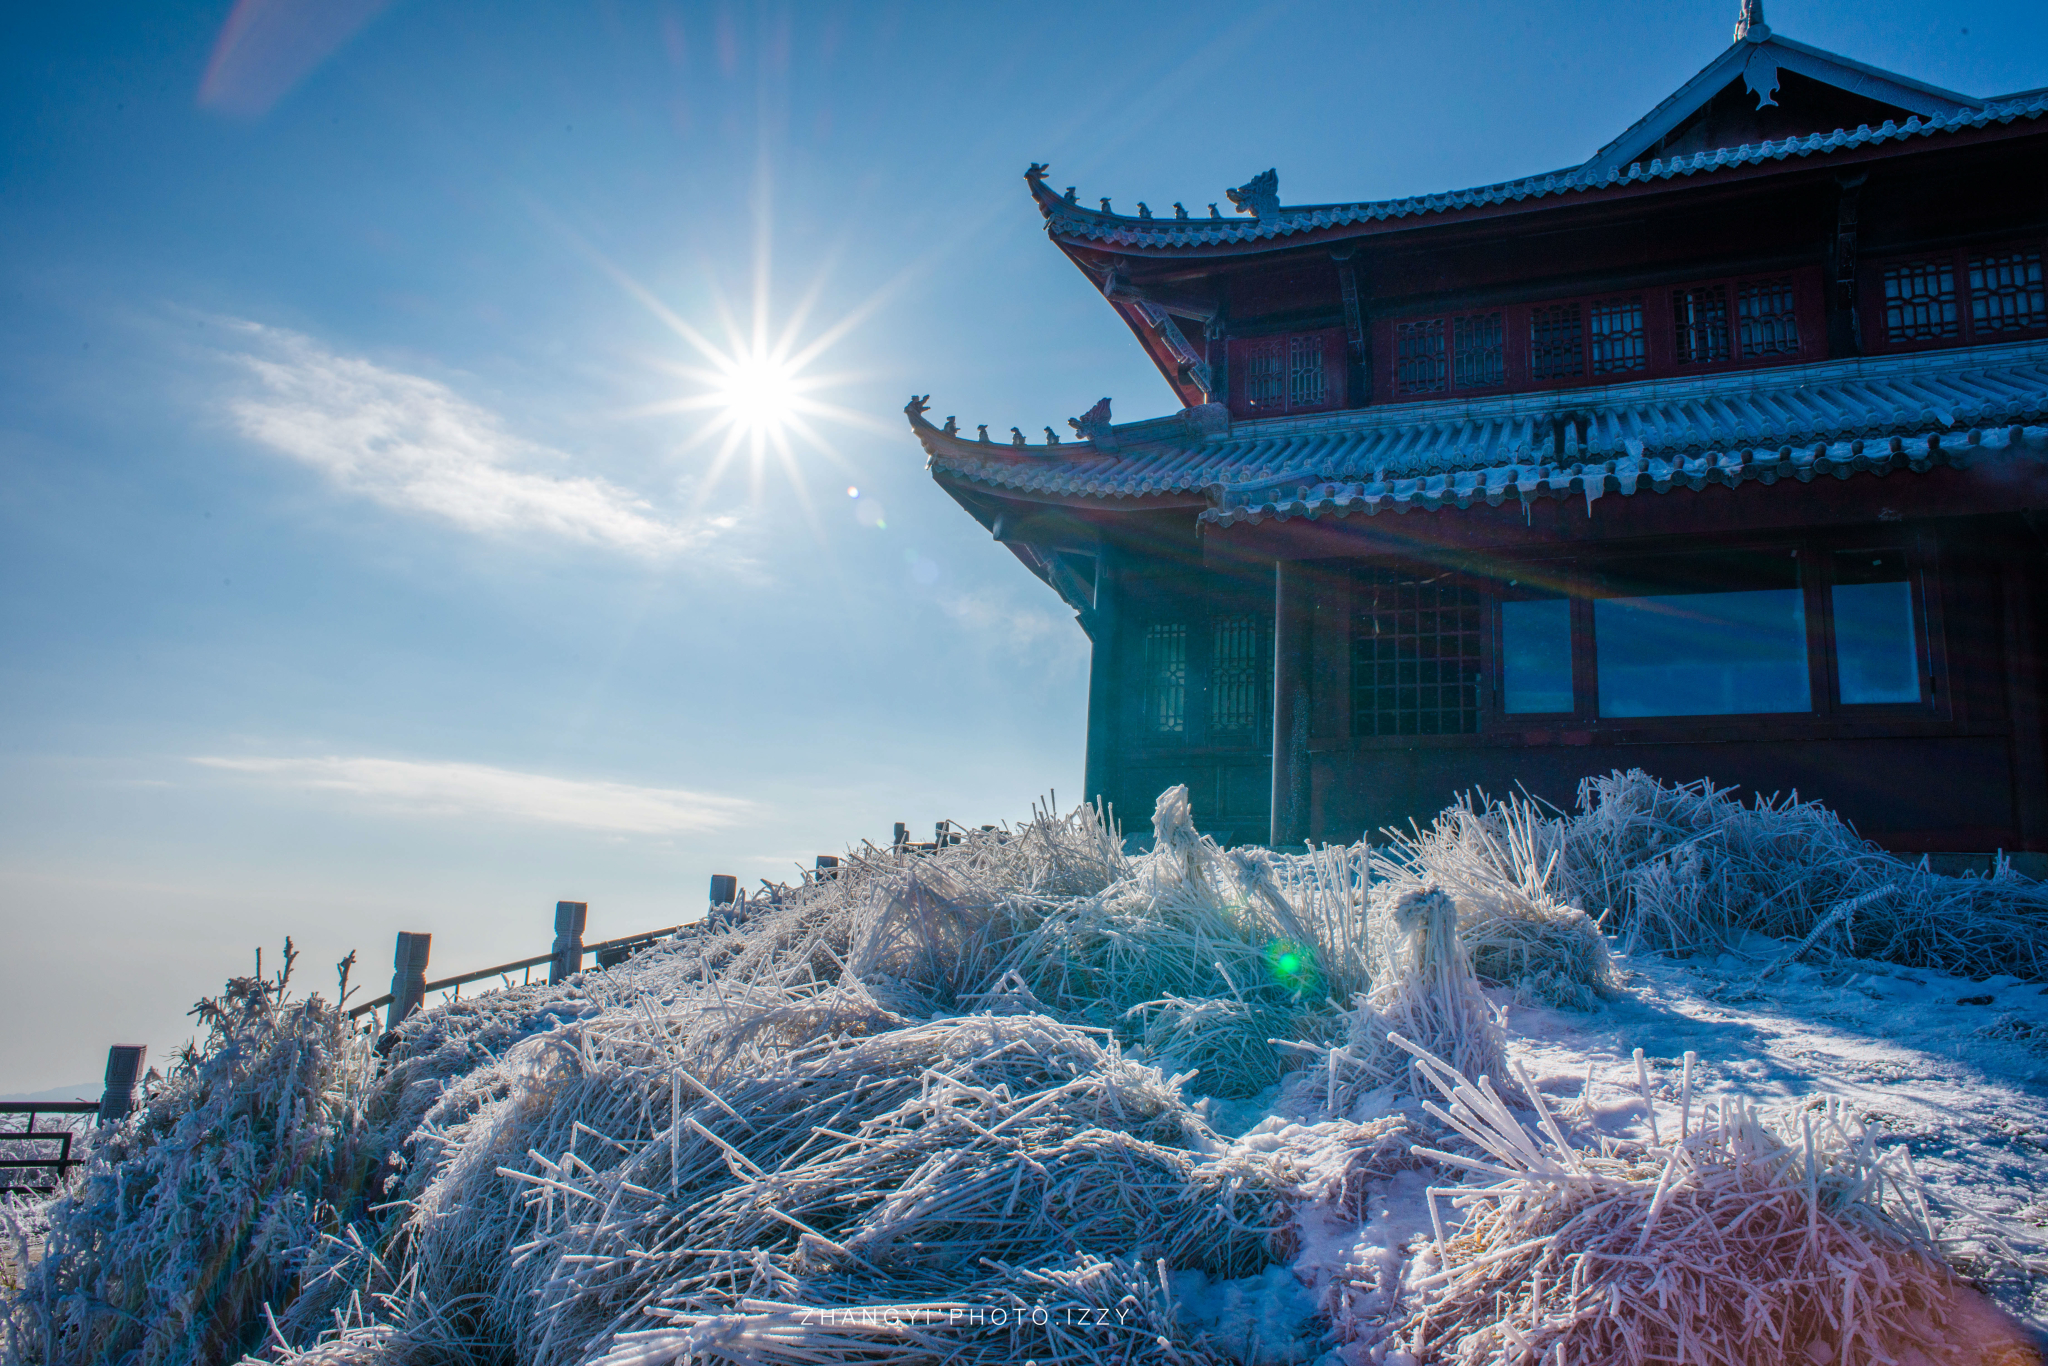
<point>84,1090</point>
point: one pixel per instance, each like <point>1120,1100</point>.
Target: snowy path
<point>1955,1070</point>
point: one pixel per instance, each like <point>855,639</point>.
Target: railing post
<point>569,918</point>
<point>828,867</point>
<point>124,1069</point>
<point>408,976</point>
<point>902,835</point>
<point>725,895</point>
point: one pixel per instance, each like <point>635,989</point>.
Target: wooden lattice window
<point>1920,302</point>
<point>1165,668</point>
<point>1620,343</point>
<point>1766,318</point>
<point>1479,351</point>
<point>1564,343</point>
<point>1264,378</point>
<point>1301,372</point>
<point>1952,298</point>
<point>1699,319</point>
<point>1305,375</point>
<point>1414,655</point>
<point>1240,675</point>
<point>2006,293</point>
<point>1421,365</point>
<point>1557,342</point>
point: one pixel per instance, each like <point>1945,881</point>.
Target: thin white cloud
<point>479,790</point>
<point>1031,632</point>
<point>413,443</point>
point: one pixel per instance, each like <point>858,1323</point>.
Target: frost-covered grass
<point>1031,1098</point>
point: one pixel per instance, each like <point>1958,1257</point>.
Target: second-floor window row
<point>1960,296</point>
<point>1598,339</point>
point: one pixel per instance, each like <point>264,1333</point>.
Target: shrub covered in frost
<point>201,1208</point>
<point>864,1114</point>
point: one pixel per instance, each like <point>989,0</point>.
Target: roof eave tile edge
<point>1958,450</point>
<point>1086,226</point>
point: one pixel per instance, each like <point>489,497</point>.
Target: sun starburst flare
<point>758,378</point>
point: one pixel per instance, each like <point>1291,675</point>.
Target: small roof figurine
<point>984,431</point>
<point>1016,436</point>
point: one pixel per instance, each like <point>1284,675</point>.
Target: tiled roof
<point>1070,220</point>
<point>1836,417</point>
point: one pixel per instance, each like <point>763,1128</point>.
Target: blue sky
<point>359,570</point>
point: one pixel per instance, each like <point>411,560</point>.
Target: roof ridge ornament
<point>1760,76</point>
<point>1093,425</point>
<point>1749,22</point>
<point>1259,196</point>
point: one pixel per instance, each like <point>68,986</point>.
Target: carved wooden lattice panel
<point>1479,358</point>
<point>2006,293</point>
<point>1414,655</point>
<point>1240,672</point>
<point>1557,342</point>
<point>1920,302</point>
<point>1766,318</point>
<point>1420,365</point>
<point>1166,678</point>
<point>1305,383</point>
<point>1265,376</point>
<point>1620,343</point>
<point>1699,319</point>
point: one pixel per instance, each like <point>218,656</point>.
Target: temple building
<point>1722,454</point>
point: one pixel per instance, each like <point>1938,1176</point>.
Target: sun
<point>759,395</point>
<point>754,390</point>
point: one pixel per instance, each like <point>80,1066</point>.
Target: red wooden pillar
<point>1293,606</point>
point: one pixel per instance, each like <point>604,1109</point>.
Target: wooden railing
<point>409,989</point>
<point>608,952</point>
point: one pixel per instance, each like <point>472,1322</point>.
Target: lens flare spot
<point>1293,967</point>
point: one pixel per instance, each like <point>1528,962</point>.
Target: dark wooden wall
<point>1966,773</point>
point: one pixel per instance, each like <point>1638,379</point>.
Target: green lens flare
<point>1293,966</point>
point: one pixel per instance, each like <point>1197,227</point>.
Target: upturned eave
<point>1081,230</point>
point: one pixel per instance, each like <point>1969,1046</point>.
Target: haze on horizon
<point>431,429</point>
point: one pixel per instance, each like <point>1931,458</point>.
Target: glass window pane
<point>1876,658</point>
<point>1702,654</point>
<point>1536,655</point>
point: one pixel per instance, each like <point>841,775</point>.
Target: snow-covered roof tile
<point>1834,417</point>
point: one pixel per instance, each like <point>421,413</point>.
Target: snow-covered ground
<point>979,1072</point>
<point>1952,1069</point>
